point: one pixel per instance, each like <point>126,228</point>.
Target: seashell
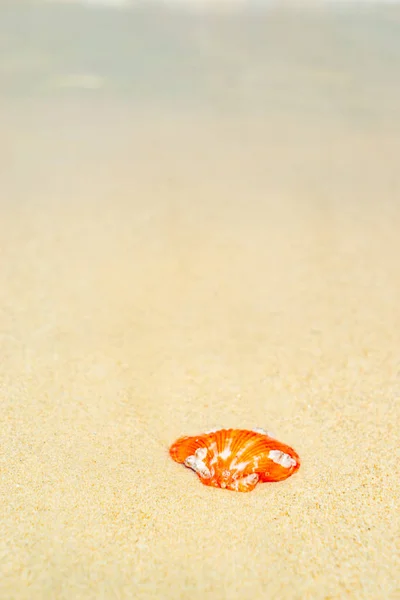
<point>236,459</point>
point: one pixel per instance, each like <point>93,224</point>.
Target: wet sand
<point>199,227</point>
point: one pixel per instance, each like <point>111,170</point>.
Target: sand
<point>219,256</point>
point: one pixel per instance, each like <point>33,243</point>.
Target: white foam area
<point>216,5</point>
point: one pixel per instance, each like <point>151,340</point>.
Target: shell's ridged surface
<point>236,459</point>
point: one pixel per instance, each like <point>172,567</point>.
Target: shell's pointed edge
<point>263,431</point>
<point>236,459</point>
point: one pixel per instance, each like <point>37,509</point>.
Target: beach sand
<point>220,255</point>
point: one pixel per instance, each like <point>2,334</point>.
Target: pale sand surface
<point>170,269</point>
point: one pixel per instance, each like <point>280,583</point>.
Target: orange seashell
<point>236,459</point>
